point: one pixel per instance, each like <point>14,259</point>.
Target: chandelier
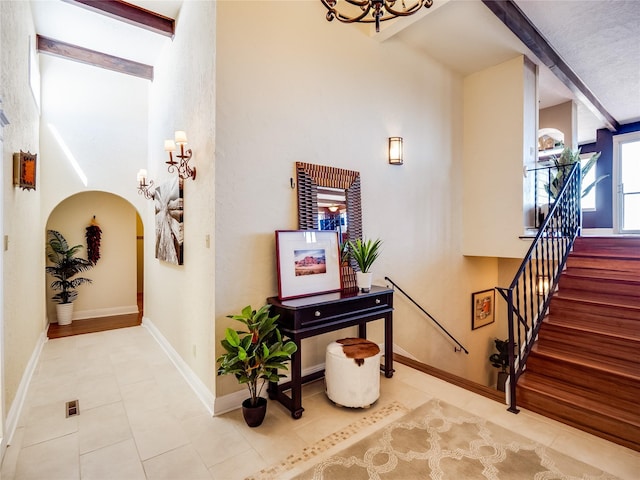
<point>380,10</point>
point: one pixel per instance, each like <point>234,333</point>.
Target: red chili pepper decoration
<point>93,241</point>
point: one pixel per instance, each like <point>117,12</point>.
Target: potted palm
<point>254,355</point>
<point>364,252</point>
<point>65,266</point>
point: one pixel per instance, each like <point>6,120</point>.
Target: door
<point>626,154</point>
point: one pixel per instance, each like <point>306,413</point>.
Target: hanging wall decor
<point>169,200</point>
<point>24,170</point>
<point>93,235</point>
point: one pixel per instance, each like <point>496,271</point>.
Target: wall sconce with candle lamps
<point>144,188</point>
<point>395,151</point>
<point>182,165</point>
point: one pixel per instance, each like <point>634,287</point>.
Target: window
<point>626,149</point>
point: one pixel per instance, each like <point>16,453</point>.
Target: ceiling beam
<point>130,14</point>
<point>509,13</point>
<point>91,57</point>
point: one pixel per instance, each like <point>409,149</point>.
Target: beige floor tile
<point>102,426</point>
<point>215,439</point>
<point>46,422</point>
<point>133,371</point>
<point>142,396</point>
<point>97,391</point>
<point>156,432</point>
<point>240,466</point>
<point>47,390</point>
<point>118,461</point>
<point>56,459</point>
<point>181,463</point>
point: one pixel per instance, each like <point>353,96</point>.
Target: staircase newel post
<point>512,359</point>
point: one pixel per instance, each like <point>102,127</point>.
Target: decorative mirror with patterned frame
<point>312,177</point>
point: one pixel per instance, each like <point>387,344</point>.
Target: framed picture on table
<point>308,262</point>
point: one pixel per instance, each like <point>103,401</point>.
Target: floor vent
<point>73,408</point>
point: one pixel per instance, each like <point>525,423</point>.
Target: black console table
<point>310,316</point>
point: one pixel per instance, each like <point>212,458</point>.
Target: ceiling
<point>599,40</point>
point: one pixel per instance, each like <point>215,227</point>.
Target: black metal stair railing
<point>427,314</point>
<point>530,292</point>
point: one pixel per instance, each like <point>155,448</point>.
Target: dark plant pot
<point>502,380</point>
<point>254,415</point>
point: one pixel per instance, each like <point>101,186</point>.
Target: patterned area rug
<point>435,441</point>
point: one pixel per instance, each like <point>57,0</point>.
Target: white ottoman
<point>352,372</point>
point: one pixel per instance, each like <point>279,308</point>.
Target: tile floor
<point>139,420</point>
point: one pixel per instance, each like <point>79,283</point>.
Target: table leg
<point>362,330</point>
<point>388,346</point>
<point>296,384</point>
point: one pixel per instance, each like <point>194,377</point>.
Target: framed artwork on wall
<point>308,262</point>
<point>24,170</point>
<point>169,202</point>
<point>482,308</point>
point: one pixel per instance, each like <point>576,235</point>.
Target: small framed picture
<point>483,308</point>
<point>308,262</point>
<point>24,170</point>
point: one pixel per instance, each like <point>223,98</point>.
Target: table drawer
<point>332,311</point>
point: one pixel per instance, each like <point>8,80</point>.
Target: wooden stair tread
<point>613,366</point>
<point>599,274</point>
<point>580,398</point>
<point>596,330</point>
<point>605,299</point>
<point>628,254</point>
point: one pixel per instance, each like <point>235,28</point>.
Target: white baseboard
<point>15,410</point>
<point>201,390</point>
<point>105,312</point>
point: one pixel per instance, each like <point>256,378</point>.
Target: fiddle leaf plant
<point>256,353</point>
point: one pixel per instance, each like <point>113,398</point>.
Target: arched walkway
<point>114,298</point>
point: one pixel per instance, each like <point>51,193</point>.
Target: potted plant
<point>562,166</point>
<point>501,360</point>
<point>364,252</point>
<point>254,355</point>
<point>66,265</point>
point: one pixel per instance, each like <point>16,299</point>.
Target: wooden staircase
<point>584,369</point>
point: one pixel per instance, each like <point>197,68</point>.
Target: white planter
<point>64,312</point>
<point>364,281</point>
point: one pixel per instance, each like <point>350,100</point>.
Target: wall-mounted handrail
<point>530,292</point>
<point>395,285</point>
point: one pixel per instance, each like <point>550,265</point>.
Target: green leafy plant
<point>562,164</point>
<point>365,252</point>
<point>66,265</point>
<point>255,353</point>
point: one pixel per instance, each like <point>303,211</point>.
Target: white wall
<point>495,129</point>
<point>293,87</point>
<point>113,288</point>
<point>23,273</point>
<point>100,118</point>
<point>179,300</point>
